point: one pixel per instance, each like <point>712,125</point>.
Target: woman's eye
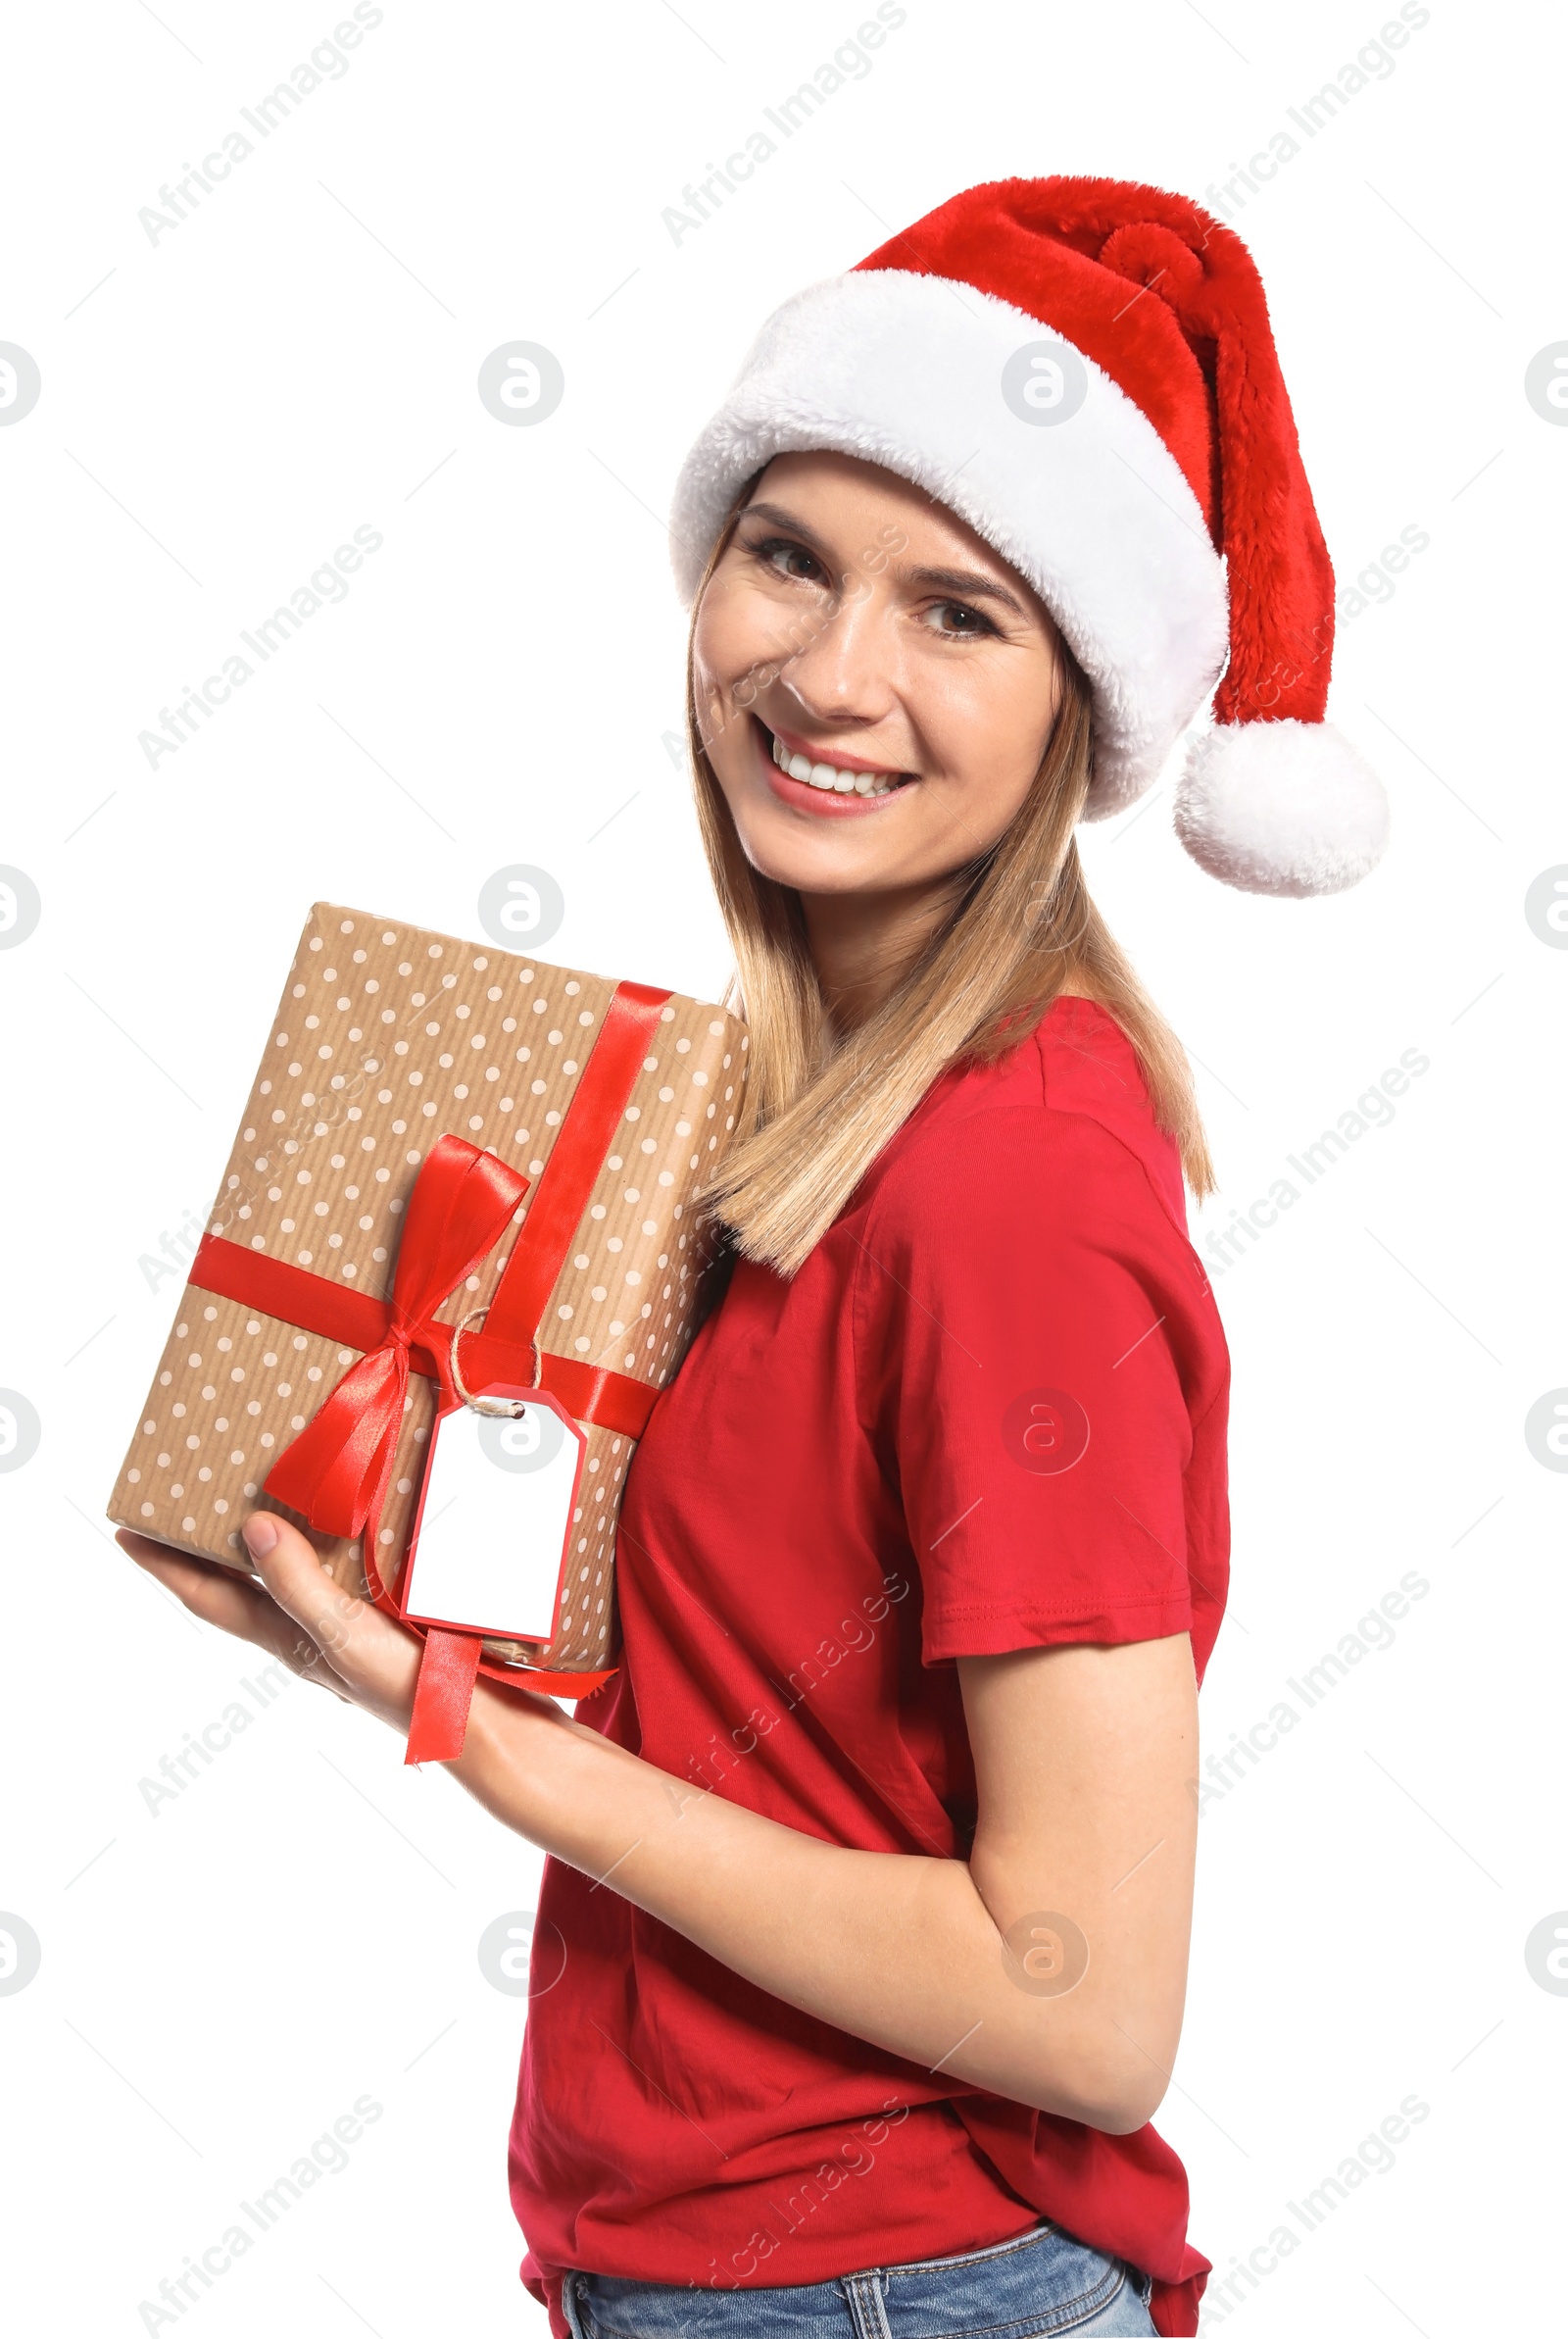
<point>958,620</point>
<point>787,560</point>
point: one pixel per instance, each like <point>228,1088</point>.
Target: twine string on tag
<point>504,1408</point>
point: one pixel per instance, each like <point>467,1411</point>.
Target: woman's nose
<point>842,672</point>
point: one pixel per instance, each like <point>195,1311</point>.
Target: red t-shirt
<point>988,1412</point>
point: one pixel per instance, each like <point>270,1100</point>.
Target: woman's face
<point>855,632</point>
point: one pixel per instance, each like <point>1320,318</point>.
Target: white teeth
<point>828,777</point>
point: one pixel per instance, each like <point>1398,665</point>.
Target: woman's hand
<point>297,1613</point>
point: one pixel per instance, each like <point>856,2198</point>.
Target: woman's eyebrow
<point>966,585</point>
<point>778,517</point>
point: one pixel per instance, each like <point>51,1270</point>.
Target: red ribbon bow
<point>339,1467</point>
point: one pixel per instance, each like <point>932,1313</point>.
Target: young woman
<point>862,1947</point>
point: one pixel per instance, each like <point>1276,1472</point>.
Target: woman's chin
<point>839,863</point>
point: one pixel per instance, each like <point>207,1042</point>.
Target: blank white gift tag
<point>489,1551</point>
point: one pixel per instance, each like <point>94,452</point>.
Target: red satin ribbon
<point>442,1696</point>
<point>584,1138</point>
<point>338,1468</point>
<point>590,1393</point>
<point>337,1473</point>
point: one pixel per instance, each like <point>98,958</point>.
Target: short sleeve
<point>1035,1340</point>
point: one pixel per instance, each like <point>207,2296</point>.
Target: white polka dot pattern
<point>386,1037</point>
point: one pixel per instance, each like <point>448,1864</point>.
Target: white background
<point>220,408</point>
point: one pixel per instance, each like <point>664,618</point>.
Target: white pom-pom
<point>1283,808</point>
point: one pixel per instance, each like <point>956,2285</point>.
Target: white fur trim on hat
<point>905,371</point>
<point>1283,808</point>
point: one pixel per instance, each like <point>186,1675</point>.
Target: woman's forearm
<point>899,1950</point>
<point>1048,1969</point>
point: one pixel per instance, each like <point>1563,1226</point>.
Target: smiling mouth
<point>832,779</point>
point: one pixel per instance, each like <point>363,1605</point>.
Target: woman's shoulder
<point>1069,1102</point>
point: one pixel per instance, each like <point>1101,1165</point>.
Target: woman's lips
<point>827,803</point>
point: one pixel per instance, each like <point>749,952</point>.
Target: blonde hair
<point>817,1108</point>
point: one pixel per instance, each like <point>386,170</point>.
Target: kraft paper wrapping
<point>385,1037</point>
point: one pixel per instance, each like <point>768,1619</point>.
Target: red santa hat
<point>1083,370</point>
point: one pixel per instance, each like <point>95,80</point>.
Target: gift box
<point>459,1172</point>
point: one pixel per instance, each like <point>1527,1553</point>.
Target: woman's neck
<point>862,945</point>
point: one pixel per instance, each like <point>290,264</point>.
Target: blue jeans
<point>1042,2281</point>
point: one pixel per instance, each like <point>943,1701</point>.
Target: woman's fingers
<point>377,1660</point>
